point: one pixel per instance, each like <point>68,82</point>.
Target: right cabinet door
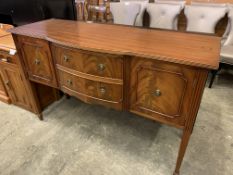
<point>161,91</point>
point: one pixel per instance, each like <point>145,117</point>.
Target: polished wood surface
<point>15,86</point>
<point>184,48</point>
<point>7,43</point>
<point>161,90</point>
<point>156,74</point>
<point>38,61</point>
<point>90,63</point>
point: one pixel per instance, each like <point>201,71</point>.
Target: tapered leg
<point>40,116</point>
<point>183,146</point>
<point>67,96</point>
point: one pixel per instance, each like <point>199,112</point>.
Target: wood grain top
<point>184,48</point>
<point>7,42</point>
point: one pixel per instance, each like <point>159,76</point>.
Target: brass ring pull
<point>69,82</point>
<point>102,90</point>
<point>66,58</point>
<point>37,61</point>
<point>101,67</point>
<point>157,93</point>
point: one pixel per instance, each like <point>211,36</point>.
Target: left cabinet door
<point>37,59</point>
<point>15,86</point>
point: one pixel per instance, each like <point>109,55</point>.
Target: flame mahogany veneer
<point>156,74</point>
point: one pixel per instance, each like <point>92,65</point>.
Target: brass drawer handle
<point>101,67</point>
<point>37,61</point>
<point>66,58</point>
<point>69,82</point>
<point>102,90</point>
<point>157,93</point>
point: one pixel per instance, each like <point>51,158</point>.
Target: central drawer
<point>92,63</point>
<point>91,91</point>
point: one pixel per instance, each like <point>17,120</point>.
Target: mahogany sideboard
<point>156,74</point>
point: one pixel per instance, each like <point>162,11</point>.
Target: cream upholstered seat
<point>163,15</point>
<point>177,2</point>
<point>124,12</point>
<point>203,18</point>
<point>143,4</point>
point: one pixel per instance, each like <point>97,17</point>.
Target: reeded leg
<point>183,146</point>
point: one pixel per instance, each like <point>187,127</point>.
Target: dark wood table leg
<point>183,146</point>
<point>40,116</point>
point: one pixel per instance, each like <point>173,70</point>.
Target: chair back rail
<point>84,12</point>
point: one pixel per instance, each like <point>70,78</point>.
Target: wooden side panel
<point>161,91</point>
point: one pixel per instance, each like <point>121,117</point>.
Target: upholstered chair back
<point>143,3</point>
<point>177,2</point>
<point>163,15</point>
<point>229,40</point>
<point>124,12</point>
<point>203,18</point>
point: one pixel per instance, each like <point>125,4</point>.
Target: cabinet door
<point>38,61</point>
<point>162,91</point>
<point>15,86</point>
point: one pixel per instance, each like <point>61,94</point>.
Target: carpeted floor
<point>79,139</point>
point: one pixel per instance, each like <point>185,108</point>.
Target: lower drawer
<point>91,91</point>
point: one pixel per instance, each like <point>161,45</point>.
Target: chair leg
<point>214,73</point>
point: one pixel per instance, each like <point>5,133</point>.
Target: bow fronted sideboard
<point>156,74</point>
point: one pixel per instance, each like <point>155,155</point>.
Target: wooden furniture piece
<point>13,80</point>
<point>156,74</point>
<point>4,44</point>
<point>14,87</point>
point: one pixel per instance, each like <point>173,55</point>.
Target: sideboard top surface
<point>185,48</point>
<point>7,43</point>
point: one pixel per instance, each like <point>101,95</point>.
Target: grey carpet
<point>80,139</point>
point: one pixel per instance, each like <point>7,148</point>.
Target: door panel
<point>38,60</point>
<point>15,86</point>
<point>160,90</point>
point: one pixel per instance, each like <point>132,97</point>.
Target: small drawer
<point>103,65</point>
<point>93,89</point>
<point>5,57</point>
